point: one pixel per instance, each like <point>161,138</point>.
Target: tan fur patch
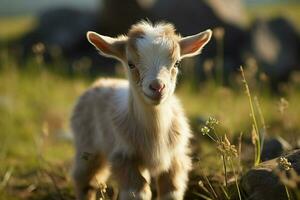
<point>170,33</point>
<point>174,51</point>
<point>134,33</point>
<point>136,75</point>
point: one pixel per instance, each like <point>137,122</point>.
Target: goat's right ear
<point>108,46</point>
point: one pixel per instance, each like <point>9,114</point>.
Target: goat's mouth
<point>155,98</point>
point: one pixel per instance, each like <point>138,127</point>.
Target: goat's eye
<point>131,65</point>
<point>177,64</point>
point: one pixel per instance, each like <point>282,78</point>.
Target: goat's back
<point>90,122</point>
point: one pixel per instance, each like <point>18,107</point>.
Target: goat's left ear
<point>108,46</point>
<point>192,45</point>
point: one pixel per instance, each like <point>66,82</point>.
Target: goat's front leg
<point>171,185</point>
<point>132,184</point>
<point>86,174</point>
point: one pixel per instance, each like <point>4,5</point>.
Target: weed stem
<point>257,140</point>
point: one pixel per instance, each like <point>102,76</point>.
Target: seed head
<point>284,164</point>
<point>226,148</point>
<point>204,130</point>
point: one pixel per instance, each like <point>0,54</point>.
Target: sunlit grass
<point>231,106</point>
<point>13,27</point>
<point>289,10</point>
<point>28,100</point>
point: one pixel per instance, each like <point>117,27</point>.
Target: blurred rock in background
<point>190,17</point>
<point>62,31</point>
<point>275,44</point>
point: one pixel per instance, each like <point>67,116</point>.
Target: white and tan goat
<point>137,128</point>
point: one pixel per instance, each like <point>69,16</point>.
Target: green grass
<point>13,27</point>
<point>30,101</point>
<point>35,105</point>
<point>288,10</point>
<point>231,107</point>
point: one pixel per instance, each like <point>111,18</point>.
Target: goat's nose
<point>157,86</point>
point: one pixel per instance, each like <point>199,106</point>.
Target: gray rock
<point>64,29</point>
<point>262,183</point>
<point>275,45</point>
<point>274,147</point>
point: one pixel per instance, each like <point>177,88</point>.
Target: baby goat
<point>136,129</point>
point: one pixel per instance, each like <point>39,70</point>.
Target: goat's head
<point>151,54</point>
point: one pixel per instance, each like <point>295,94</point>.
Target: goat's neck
<point>152,118</point>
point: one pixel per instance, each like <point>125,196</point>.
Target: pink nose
<point>157,86</point>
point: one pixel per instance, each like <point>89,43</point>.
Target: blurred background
<point>46,63</point>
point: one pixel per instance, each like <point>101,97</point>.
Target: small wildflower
<point>284,164</point>
<point>205,130</point>
<point>283,105</point>
<point>219,33</point>
<point>38,48</point>
<point>200,183</point>
<point>212,122</point>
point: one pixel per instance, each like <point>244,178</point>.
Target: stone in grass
<point>274,147</point>
<point>262,183</point>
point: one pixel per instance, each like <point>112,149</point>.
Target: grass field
<point>36,147</point>
<point>35,105</point>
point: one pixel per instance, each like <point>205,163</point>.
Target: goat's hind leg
<point>89,171</point>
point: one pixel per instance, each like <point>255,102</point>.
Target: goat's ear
<point>192,45</point>
<point>108,46</point>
